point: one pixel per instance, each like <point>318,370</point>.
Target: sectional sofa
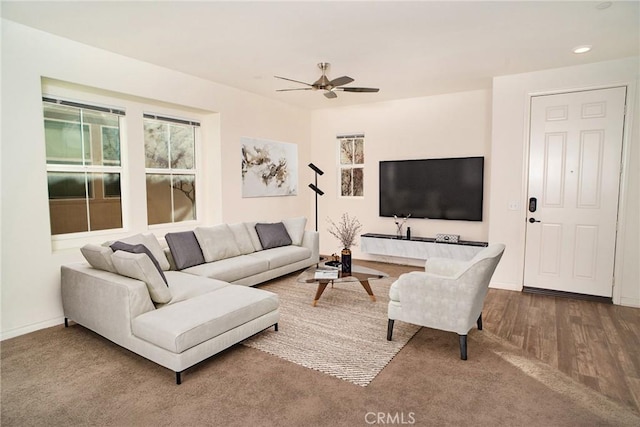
<point>181,304</point>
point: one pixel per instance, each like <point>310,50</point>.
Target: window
<point>170,162</point>
<point>83,166</point>
<point>351,149</point>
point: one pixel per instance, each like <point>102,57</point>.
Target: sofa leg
<point>480,322</point>
<point>66,322</point>
<point>275,327</point>
<point>463,347</point>
<point>390,329</point>
<point>178,378</point>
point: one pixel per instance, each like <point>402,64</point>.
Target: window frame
<point>172,172</point>
<point>84,168</point>
<point>350,166</point>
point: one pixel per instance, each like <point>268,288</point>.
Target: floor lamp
<point>315,188</point>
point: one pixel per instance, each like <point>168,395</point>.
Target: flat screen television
<point>433,188</point>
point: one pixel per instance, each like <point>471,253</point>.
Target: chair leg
<point>390,329</point>
<point>463,347</point>
<point>178,378</point>
<point>480,322</point>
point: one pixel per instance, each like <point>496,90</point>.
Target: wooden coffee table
<point>361,274</point>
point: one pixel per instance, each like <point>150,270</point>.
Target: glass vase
<point>345,259</point>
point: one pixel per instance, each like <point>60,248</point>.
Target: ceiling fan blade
<point>341,81</point>
<point>358,89</point>
<point>330,94</point>
<point>300,88</point>
<point>291,80</point>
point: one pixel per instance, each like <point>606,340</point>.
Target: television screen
<point>433,188</point>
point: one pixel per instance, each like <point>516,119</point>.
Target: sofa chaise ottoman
<point>209,316</point>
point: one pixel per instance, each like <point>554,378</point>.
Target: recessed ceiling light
<point>582,49</point>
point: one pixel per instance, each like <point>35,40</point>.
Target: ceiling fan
<point>329,86</point>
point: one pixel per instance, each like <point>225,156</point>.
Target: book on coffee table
<point>326,274</point>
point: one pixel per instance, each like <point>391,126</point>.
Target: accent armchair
<point>448,295</point>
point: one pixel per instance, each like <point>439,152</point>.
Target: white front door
<point>574,177</point>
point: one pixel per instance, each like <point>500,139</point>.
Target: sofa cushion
<point>284,255</point>
<point>179,327</point>
<point>98,257</point>
<point>230,269</point>
<point>273,235</point>
<point>139,266</point>
<point>217,242</point>
<point>184,286</point>
<point>151,242</point>
<point>295,227</point>
<point>243,239</point>
<point>251,229</point>
<point>185,249</point>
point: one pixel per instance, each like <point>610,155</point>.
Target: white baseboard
<point>12,333</point>
<point>506,286</point>
<point>630,302</point>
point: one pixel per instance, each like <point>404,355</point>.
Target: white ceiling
<point>407,49</point>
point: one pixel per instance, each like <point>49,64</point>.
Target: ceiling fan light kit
<point>329,86</point>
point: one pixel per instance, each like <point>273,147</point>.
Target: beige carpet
<point>343,336</point>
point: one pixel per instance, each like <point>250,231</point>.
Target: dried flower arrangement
<point>346,230</point>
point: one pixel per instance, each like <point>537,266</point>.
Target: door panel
<point>574,172</point>
<point>590,175</point>
<point>550,249</point>
<point>554,161</point>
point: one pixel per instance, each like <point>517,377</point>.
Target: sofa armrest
<point>102,301</point>
<point>311,240</point>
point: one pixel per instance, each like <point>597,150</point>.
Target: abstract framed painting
<point>269,168</point>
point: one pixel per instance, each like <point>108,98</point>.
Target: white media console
<point>418,247</point>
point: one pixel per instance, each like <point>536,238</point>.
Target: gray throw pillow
<point>139,249</point>
<point>185,249</point>
<point>151,242</point>
<point>273,235</point>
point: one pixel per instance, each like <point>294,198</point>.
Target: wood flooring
<point>596,344</point>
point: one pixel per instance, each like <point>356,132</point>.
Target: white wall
<point>452,125</point>
<point>30,297</point>
<point>509,156</point>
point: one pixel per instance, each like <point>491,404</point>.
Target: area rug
<point>343,336</point>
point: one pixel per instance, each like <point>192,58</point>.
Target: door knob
<point>532,220</point>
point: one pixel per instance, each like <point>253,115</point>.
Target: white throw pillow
<point>151,242</point>
<point>140,266</point>
<point>217,242</point>
<point>295,227</point>
<point>243,239</point>
<point>98,257</point>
